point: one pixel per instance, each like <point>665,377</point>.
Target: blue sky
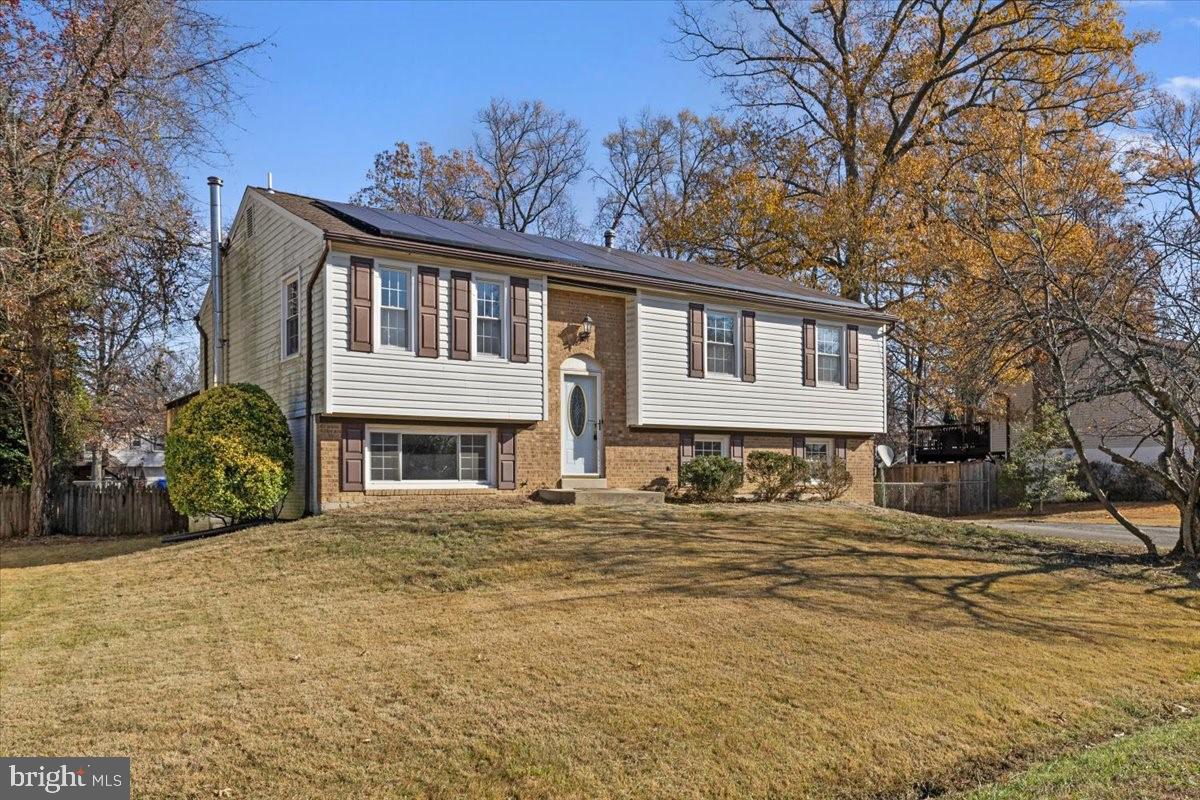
<point>342,81</point>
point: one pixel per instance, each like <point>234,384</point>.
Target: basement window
<point>427,458</point>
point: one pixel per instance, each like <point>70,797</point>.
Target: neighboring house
<point>139,459</point>
<point>456,357</point>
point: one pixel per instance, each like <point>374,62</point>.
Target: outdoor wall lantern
<point>585,328</point>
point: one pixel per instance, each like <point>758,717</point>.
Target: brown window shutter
<point>736,447</point>
<point>687,447</point>
<point>851,356</point>
<point>839,448</point>
<point>353,456</point>
<point>695,340</point>
<point>810,352</point>
<point>748,357</point>
<point>427,301</point>
<point>798,445</point>
<point>460,316</point>
<point>506,457</point>
<point>519,348</point>
<point>362,283</point>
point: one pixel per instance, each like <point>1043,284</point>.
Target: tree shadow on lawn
<point>936,577</point>
<point>47,550</point>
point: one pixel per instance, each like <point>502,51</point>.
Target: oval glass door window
<point>578,410</point>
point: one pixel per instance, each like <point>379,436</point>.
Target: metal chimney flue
<point>214,228</point>
<point>609,235</point>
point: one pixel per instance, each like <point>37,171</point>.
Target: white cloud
<point>1181,85</point>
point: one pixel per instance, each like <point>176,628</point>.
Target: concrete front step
<point>600,497</point>
<point>567,482</point>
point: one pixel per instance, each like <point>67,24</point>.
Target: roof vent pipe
<point>609,235</point>
<point>270,184</point>
<point>214,228</point>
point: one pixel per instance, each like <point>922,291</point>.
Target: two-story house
<point>412,355</point>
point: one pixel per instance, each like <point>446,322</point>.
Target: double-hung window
<point>489,310</point>
<point>393,308</point>
<point>424,458</point>
<point>829,354</point>
<point>720,340</point>
<point>291,317</point>
<point>818,449</point>
<point>711,446</point>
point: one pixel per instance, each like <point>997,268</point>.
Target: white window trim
<point>377,305</point>
<point>503,282</point>
<point>284,355</point>
<point>841,326</point>
<point>828,442</point>
<point>737,344</point>
<point>722,439</point>
<point>489,482</point>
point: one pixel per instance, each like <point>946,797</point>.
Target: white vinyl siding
<point>257,268</point>
<point>776,400</point>
<point>397,382</point>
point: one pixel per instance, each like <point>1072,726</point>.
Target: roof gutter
<point>309,432</point>
<point>502,260</point>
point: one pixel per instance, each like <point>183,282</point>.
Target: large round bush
<point>711,478</point>
<point>229,455</point>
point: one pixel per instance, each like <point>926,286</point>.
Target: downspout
<point>204,355</point>
<point>309,431</point>
<point>214,235</point>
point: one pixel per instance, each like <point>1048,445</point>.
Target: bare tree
<point>100,102</point>
<point>449,186</point>
<point>532,155</point>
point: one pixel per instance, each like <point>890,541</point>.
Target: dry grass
<point>1140,513</point>
<point>730,651</point>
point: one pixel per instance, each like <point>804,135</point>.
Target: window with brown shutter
<point>519,291</point>
<point>748,356</point>
<point>798,445</point>
<point>695,340</point>
<point>353,456</point>
<point>362,282</point>
<point>810,352</point>
<point>427,310</point>
<point>460,316</point>
<point>687,447</point>
<point>851,356</point>
<point>506,460</point>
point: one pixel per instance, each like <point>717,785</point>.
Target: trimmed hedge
<point>229,455</point>
<point>775,474</point>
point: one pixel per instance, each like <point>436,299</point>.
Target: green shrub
<point>830,479</point>
<point>775,474</point>
<point>1038,469</point>
<point>711,478</point>
<point>229,455</point>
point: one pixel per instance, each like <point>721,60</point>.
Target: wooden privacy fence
<point>114,510</point>
<point>943,490</point>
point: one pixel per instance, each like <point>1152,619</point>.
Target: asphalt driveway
<point>1163,536</point>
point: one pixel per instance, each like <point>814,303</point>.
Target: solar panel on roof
<point>393,224</point>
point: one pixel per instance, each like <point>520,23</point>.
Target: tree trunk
<point>1188,546</point>
<point>40,435</point>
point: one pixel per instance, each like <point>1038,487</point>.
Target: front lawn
<point>733,651</point>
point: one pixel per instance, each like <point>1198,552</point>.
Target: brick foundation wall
<point>633,459</point>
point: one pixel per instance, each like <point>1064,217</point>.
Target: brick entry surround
<point>633,459</point>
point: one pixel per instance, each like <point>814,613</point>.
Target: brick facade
<point>632,458</point>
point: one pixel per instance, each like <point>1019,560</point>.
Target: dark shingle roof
<point>391,229</point>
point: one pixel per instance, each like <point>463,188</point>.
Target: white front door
<point>581,429</point>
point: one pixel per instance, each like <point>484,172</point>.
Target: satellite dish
<point>886,455</point>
